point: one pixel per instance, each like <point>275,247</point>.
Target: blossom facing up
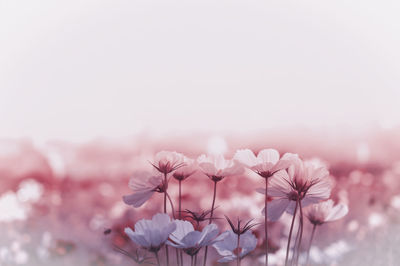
<point>216,167</point>
<point>189,168</point>
<point>227,245</point>
<point>152,234</point>
<point>325,211</point>
<point>144,185</point>
<point>303,182</point>
<point>265,164</point>
<point>190,241</point>
<point>168,161</point>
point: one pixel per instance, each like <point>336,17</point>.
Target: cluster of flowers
<point>292,183</point>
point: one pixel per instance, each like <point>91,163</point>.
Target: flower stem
<point>177,257</point>
<point>211,216</point>
<point>266,221</point>
<point>180,199</point>
<point>238,251</point>
<point>172,206</point>
<point>309,244</point>
<point>301,233</point>
<point>290,235</point>
<point>191,261</point>
<point>157,258</point>
<point>195,260</point>
<point>165,211</point>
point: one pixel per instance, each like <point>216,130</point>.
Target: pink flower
<point>216,167</point>
<point>143,185</point>
<point>168,161</point>
<point>266,164</point>
<point>324,212</point>
<point>304,182</point>
<point>152,234</point>
<point>185,171</point>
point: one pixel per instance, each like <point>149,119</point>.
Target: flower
<point>303,182</point>
<point>143,184</point>
<point>191,241</point>
<point>227,245</point>
<point>198,217</point>
<point>152,234</point>
<point>266,164</point>
<point>168,161</point>
<point>324,212</point>
<point>216,167</point>
<point>185,171</point>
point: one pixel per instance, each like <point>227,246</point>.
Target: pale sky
<point>76,70</point>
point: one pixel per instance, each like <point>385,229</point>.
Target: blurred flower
<point>191,241</point>
<point>305,182</point>
<point>168,161</point>
<point>189,168</point>
<point>227,245</point>
<point>324,212</point>
<point>216,167</point>
<point>143,185</point>
<point>266,164</point>
<point>152,234</point>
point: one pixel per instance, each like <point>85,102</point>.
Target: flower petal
<point>137,199</point>
<point>268,156</point>
<point>245,157</point>
<point>276,208</point>
<point>337,212</point>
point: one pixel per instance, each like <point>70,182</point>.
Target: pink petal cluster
<point>216,167</point>
<point>325,211</point>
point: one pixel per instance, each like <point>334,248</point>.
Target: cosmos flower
<point>302,181</point>
<point>152,234</point>
<point>168,161</point>
<point>143,184</point>
<point>266,164</point>
<point>189,168</point>
<point>216,167</point>
<point>324,212</point>
<point>191,241</point>
<point>227,245</point>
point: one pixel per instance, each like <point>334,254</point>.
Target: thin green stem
<point>309,244</point>
<point>211,216</point>
<point>290,235</point>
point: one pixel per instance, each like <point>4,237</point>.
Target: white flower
<point>216,167</point>
<point>325,212</point>
<point>152,234</point>
<point>227,245</point>
<point>143,185</point>
<point>191,241</point>
<point>305,182</point>
<point>266,164</point>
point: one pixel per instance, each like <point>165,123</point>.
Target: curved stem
<point>290,235</point>
<point>172,206</point>
<point>309,244</point>
<point>266,221</point>
<point>211,216</point>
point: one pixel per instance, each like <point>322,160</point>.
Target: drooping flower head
<point>216,167</point>
<point>324,212</point>
<point>168,161</point>
<point>305,182</point>
<point>152,234</point>
<point>144,184</point>
<point>265,164</point>
<point>191,241</point>
<point>227,245</point>
<point>189,168</point>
